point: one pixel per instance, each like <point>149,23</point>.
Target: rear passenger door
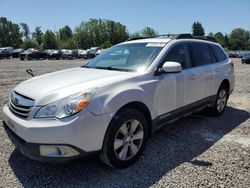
<point>204,69</point>
<point>220,66</point>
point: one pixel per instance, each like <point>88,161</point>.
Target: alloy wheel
<point>128,140</point>
<point>221,101</point>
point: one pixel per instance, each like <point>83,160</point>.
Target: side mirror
<point>171,67</point>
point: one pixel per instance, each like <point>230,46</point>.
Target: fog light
<point>57,151</point>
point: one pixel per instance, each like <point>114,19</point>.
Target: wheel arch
<point>226,83</point>
<point>141,107</point>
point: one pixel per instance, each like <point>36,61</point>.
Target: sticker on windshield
<point>156,44</point>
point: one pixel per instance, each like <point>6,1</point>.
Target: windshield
<point>127,57</point>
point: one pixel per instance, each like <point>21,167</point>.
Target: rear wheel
<point>125,138</point>
<point>220,102</point>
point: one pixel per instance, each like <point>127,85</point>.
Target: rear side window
<point>219,54</point>
<point>201,54</point>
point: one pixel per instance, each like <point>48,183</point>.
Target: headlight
<point>67,106</point>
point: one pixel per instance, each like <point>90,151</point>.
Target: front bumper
<point>32,150</point>
<point>83,132</point>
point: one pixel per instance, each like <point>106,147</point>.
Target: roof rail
<point>137,38</point>
<point>208,38</point>
<point>178,36</point>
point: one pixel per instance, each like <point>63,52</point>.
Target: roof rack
<point>208,38</point>
<point>178,36</point>
<point>137,38</point>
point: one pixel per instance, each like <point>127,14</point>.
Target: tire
<point>220,102</point>
<point>125,138</point>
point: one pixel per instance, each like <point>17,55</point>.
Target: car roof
<point>172,37</point>
<point>166,40</point>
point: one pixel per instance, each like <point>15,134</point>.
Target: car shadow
<point>181,142</point>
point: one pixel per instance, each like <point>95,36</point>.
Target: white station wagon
<point>113,104</point>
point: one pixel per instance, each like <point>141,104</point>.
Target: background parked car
<point>6,52</point>
<point>55,54</point>
<point>83,54</point>
<point>240,54</point>
<point>30,54</point>
<point>232,54</point>
<point>92,51</point>
<point>44,54</point>
<point>16,52</point>
<point>99,52</point>
<point>69,54</point>
<point>246,58</point>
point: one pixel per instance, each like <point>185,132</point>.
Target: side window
<point>219,54</point>
<point>202,54</point>
<point>180,53</point>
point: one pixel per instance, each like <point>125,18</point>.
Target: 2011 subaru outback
<point>113,104</point>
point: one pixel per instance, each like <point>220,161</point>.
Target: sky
<point>165,16</point>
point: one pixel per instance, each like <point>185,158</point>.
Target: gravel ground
<point>197,151</point>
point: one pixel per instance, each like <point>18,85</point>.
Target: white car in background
<point>112,105</point>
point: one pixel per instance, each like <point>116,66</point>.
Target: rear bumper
<point>32,150</point>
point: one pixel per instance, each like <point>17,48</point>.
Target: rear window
<point>201,54</point>
<point>219,54</point>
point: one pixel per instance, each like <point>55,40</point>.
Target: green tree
<point>136,35</point>
<point>220,38</point>
<point>29,43</point>
<point>248,44</point>
<point>49,40</point>
<point>25,30</point>
<point>210,34</point>
<point>9,33</point>
<point>146,32</point>
<point>37,35</point>
<point>65,33</point>
<point>238,39</point>
<point>65,38</point>
<point>226,41</point>
<point>100,32</point>
<point>198,29</point>
<point>149,32</point>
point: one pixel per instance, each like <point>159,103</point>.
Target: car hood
<point>54,86</point>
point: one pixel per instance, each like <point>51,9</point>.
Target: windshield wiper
<point>114,68</point>
<point>108,68</point>
<point>85,66</point>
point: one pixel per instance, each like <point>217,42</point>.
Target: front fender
<point>111,101</point>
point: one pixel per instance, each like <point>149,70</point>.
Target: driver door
<point>176,90</point>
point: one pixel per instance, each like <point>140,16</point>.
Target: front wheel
<point>125,138</point>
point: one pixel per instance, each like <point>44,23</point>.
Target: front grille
<point>20,105</point>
